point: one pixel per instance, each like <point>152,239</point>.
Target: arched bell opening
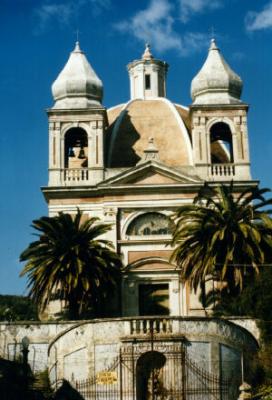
<point>221,144</point>
<point>76,148</point>
<point>149,376</point>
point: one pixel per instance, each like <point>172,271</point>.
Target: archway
<point>149,379</point>
<point>76,148</point>
<point>221,144</point>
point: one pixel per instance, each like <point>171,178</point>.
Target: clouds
<point>153,24</point>
<point>57,12</point>
<point>159,22</point>
<point>260,20</point>
<point>156,24</point>
<point>190,7</point>
<point>62,13</point>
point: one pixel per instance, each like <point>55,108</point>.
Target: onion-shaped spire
<point>77,85</point>
<point>216,82</point>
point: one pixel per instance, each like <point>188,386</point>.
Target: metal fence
<point>162,373</point>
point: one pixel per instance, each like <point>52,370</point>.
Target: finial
<point>147,53</point>
<point>213,45</point>
<point>77,47</point>
<point>151,153</point>
<point>151,145</point>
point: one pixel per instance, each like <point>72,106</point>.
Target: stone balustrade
<point>75,175</point>
<point>222,170</point>
<point>147,326</point>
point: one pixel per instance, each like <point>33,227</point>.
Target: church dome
<point>216,82</point>
<point>77,85</point>
<point>132,125</point>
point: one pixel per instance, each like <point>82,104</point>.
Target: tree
<point>222,235</point>
<point>17,308</point>
<point>253,301</point>
<point>71,263</point>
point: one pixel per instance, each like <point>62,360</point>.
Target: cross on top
<point>77,32</point>
<point>212,32</point>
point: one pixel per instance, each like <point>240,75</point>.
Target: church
<point>131,166</point>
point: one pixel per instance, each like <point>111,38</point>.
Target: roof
<point>77,85</point>
<point>216,82</point>
<point>133,124</point>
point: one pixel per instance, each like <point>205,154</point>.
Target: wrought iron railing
<point>179,378</point>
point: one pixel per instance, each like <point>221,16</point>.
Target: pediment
<point>152,178</point>
<point>150,173</point>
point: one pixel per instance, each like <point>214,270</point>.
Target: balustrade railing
<point>75,175</point>
<point>146,326</point>
<point>222,170</point>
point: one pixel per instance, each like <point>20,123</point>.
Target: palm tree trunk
<point>73,308</point>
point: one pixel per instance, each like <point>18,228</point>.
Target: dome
<point>77,86</point>
<point>132,125</point>
<point>216,83</point>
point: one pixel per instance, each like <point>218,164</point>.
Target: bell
<point>71,152</point>
<point>81,153</point>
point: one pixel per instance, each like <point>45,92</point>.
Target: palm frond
<point>220,232</point>
<point>70,260</point>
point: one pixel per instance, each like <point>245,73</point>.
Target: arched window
<point>76,148</point>
<point>221,143</point>
<point>151,223</point>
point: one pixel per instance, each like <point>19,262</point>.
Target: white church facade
<point>132,165</point>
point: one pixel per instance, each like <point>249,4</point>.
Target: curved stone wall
<point>89,347</point>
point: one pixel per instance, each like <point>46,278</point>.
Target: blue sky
<point>36,39</point>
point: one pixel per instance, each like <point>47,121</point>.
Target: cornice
<point>72,192</point>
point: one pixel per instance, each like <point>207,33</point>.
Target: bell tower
<point>219,121</point>
<point>76,125</point>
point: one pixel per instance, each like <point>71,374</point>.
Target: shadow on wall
<point>16,380</point>
<point>119,142</point>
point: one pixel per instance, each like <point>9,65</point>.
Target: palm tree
<point>222,235</point>
<point>70,262</point>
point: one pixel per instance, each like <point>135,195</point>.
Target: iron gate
<point>163,373</point>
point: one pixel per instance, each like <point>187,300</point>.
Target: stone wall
<point>64,347</point>
<point>39,334</point>
<point>91,348</point>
